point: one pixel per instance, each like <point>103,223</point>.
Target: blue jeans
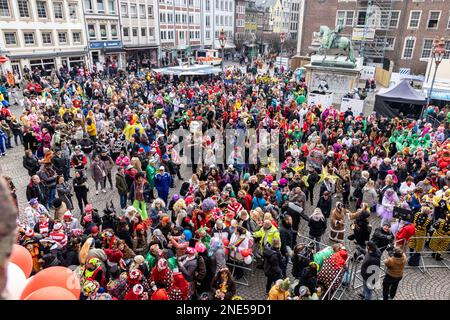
<point>367,292</point>
<point>51,197</point>
<point>123,200</point>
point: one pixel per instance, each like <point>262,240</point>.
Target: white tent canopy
<point>193,70</point>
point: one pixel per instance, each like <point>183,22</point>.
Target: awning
<point>47,55</point>
<point>113,50</point>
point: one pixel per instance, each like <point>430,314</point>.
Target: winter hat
<point>190,250</point>
<point>29,232</point>
<point>33,201</point>
<point>139,227</point>
<point>58,227</point>
<point>114,255</point>
<point>67,214</point>
<point>87,218</point>
<point>129,210</point>
<point>189,200</point>
<point>371,245</point>
<point>282,182</point>
<point>162,264</point>
<point>141,150</point>
<point>164,157</point>
<point>94,230</point>
<point>139,259</point>
<point>89,208</point>
<point>134,275</point>
<point>246,176</point>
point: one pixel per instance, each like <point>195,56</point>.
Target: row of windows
<point>103,31</point>
<point>100,6</point>
<point>427,48</point>
<point>390,19</point>
<point>134,32</point>
<point>180,18</point>
<point>42,9</point>
<point>133,10</point>
<point>47,37</point>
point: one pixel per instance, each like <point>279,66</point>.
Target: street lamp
<point>222,40</point>
<point>438,54</point>
<point>282,39</point>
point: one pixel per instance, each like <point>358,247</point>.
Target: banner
<point>356,105</point>
<point>324,100</point>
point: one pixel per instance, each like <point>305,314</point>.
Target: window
<point>135,32</point>
<point>433,19</point>
<point>88,5</point>
<point>390,42</point>
<point>114,31</point>
<point>414,19</point>
<point>183,18</point>
<point>133,11</point>
<point>24,11</point>
<point>10,38</point>
<point>207,5</point>
<point>448,23</point>
<point>170,18</point>
<point>58,10</point>
<point>91,31</point>
<point>191,18</point>
<point>344,18</point>
<point>100,6</point>
<point>447,49</point>
<point>151,32</point>
<point>427,48</point>
<point>41,9</point>
<point>62,37</point>
<point>76,36</point>
<point>170,34</point>
<point>408,48</point>
<point>181,35</point>
<point>112,6</point>
<point>208,34</point>
<point>126,32</point>
<point>142,10</point>
<point>4,8</point>
<point>393,21</point>
<point>73,11</point>
<point>150,11</point>
<point>361,21</point>
<point>163,35</point>
<point>28,38</point>
<point>124,9</point>
<point>46,38</point>
<point>177,18</point>
<point>162,17</point>
<point>143,32</point>
<point>103,32</point>
<point>208,22</point>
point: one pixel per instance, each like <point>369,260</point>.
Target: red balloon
<point>22,258</point>
<point>51,293</point>
<point>53,277</point>
<point>246,252</point>
<point>225,242</point>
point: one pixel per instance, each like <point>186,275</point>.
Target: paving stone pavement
<point>415,285</point>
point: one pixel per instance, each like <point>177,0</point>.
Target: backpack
<point>200,273</point>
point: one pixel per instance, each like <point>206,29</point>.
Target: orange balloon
<point>22,258</point>
<point>51,293</point>
<point>53,277</point>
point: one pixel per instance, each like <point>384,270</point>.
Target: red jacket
<point>405,233</point>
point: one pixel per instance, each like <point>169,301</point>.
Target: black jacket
<point>325,206</point>
<point>37,191</point>
<point>60,164</point>
<point>317,228</point>
<point>272,262</point>
<point>287,237</point>
<point>382,238</point>
<point>371,259</point>
<point>147,190</point>
<point>31,164</point>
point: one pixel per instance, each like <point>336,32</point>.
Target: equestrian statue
<point>332,39</point>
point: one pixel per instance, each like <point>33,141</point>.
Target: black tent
<point>400,99</point>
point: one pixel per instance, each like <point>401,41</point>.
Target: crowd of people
<point>179,237</point>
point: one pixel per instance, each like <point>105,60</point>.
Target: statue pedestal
<point>340,80</point>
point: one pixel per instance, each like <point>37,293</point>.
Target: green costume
<point>151,173</point>
<point>152,260</point>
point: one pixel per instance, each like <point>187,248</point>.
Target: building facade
<point>385,32</point>
<point>102,23</point>
<point>222,16</point>
<point>42,34</point>
<point>239,19</point>
<point>140,32</point>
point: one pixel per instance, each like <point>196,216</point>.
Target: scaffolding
<point>376,18</point>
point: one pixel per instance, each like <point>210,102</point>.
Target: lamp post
<point>222,40</point>
<point>282,39</point>
<point>437,54</point>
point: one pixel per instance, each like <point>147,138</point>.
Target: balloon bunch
<point>54,283</point>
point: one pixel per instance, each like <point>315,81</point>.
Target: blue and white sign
<point>105,44</point>
<point>404,71</point>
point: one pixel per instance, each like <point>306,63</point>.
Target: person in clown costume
<point>132,127</point>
